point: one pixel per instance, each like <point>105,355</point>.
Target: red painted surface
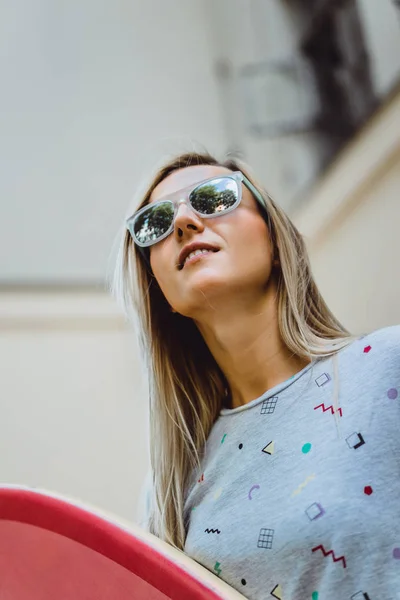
<point>52,549</point>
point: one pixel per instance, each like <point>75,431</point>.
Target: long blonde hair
<point>185,383</point>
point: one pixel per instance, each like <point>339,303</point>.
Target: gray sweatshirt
<point>299,493</point>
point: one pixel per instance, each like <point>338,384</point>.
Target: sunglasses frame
<point>183,195</point>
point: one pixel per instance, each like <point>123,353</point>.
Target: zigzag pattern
<point>339,410</point>
<point>217,568</point>
<point>212,531</point>
<point>303,485</point>
<point>325,553</point>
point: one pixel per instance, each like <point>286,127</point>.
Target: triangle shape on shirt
<point>277,592</point>
<point>269,448</point>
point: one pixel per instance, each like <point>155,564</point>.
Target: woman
<point>274,432</point>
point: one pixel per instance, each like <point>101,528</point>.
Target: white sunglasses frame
<point>182,196</point>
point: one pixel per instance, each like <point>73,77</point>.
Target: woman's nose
<point>186,219</point>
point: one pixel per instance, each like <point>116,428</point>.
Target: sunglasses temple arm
<point>255,192</point>
<point>258,196</point>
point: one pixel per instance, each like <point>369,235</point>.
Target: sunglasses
<point>208,199</point>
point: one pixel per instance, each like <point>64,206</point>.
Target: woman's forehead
<point>184,178</point>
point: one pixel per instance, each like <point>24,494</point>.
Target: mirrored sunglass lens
<point>214,197</point>
<point>153,222</point>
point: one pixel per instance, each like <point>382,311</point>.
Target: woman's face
<point>241,266</point>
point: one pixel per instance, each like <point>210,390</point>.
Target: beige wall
<point>352,225</point>
<point>73,409</point>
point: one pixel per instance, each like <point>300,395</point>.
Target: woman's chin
<point>202,278</point>
<point>204,290</point>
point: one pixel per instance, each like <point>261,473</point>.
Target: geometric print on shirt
<point>299,494</point>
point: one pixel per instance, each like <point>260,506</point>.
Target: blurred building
<point>94,93</point>
<point>299,78</point>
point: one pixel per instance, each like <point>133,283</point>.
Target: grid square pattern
<point>265,538</point>
<point>268,406</point>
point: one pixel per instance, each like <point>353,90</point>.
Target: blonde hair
<point>186,384</point>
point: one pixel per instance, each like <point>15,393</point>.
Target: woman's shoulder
<point>385,339</point>
<point>382,347</point>
<point>372,364</point>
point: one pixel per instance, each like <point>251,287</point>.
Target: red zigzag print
<point>339,410</point>
<point>325,553</point>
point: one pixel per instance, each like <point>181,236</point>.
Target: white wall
<point>351,224</point>
<point>93,94</point>
<point>73,399</point>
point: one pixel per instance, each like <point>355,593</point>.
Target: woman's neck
<point>249,349</point>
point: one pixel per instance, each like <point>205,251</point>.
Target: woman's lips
<point>196,258</point>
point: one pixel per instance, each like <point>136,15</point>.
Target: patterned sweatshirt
<point>299,494</point>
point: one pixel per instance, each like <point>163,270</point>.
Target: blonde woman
<point>275,451</point>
